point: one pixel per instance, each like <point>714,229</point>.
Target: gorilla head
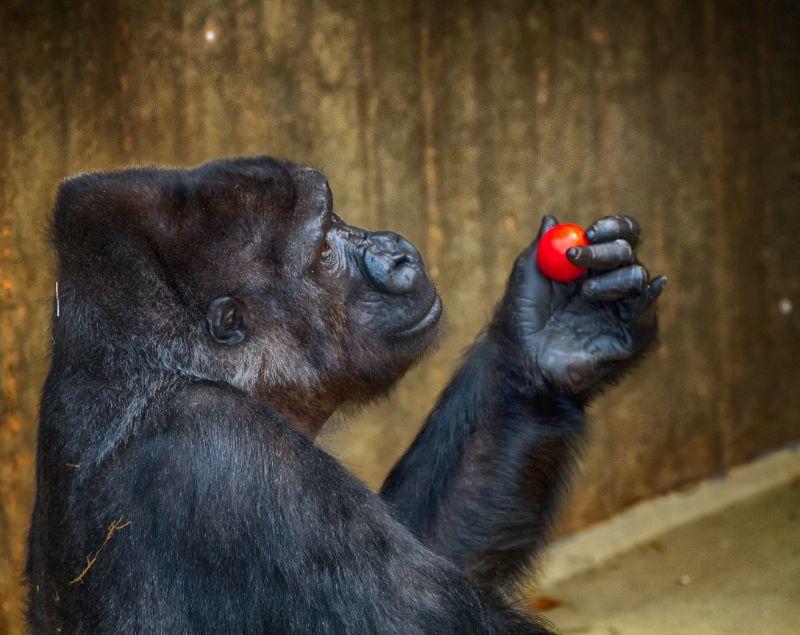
<point>244,275</point>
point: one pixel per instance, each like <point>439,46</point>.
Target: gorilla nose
<point>392,264</point>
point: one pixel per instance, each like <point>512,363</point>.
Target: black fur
<point>210,320</point>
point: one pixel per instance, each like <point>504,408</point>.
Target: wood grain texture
<point>458,124</point>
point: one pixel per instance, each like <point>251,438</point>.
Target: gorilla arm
<point>249,526</point>
<point>481,481</point>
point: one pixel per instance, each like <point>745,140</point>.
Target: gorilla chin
<point>428,323</point>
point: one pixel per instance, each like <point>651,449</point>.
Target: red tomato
<point>551,253</point>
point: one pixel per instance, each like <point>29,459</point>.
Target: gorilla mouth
<point>430,318</point>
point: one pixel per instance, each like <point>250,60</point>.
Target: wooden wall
<point>459,124</point>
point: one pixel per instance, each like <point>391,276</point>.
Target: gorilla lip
<point>427,320</point>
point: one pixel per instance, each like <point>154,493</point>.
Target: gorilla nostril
<point>401,260</point>
<point>405,277</point>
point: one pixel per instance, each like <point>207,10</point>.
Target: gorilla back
<point>210,321</point>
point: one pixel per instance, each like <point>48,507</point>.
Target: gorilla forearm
<point>481,481</point>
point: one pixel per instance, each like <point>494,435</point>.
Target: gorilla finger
<point>610,228</point>
<point>525,260</point>
<point>615,284</point>
<point>602,255</point>
<point>548,222</point>
<point>651,293</point>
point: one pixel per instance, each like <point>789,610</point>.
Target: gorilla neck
<point>308,420</point>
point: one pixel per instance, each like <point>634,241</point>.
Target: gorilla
<point>209,321</point>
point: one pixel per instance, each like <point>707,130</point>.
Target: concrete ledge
<point>647,520</point>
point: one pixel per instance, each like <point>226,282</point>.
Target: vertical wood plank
<point>32,161</point>
<point>779,140</point>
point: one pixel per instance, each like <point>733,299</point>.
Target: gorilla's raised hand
<point>575,335</point>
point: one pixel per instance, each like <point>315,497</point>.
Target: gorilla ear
<point>227,320</point>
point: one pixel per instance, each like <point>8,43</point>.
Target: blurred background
<point>458,124</point>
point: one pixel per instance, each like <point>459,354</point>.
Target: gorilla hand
<point>574,335</point>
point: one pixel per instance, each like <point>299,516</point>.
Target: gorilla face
<point>390,298</point>
<point>241,271</point>
<point>374,285</point>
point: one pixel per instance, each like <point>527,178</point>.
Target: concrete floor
<point>736,571</point>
